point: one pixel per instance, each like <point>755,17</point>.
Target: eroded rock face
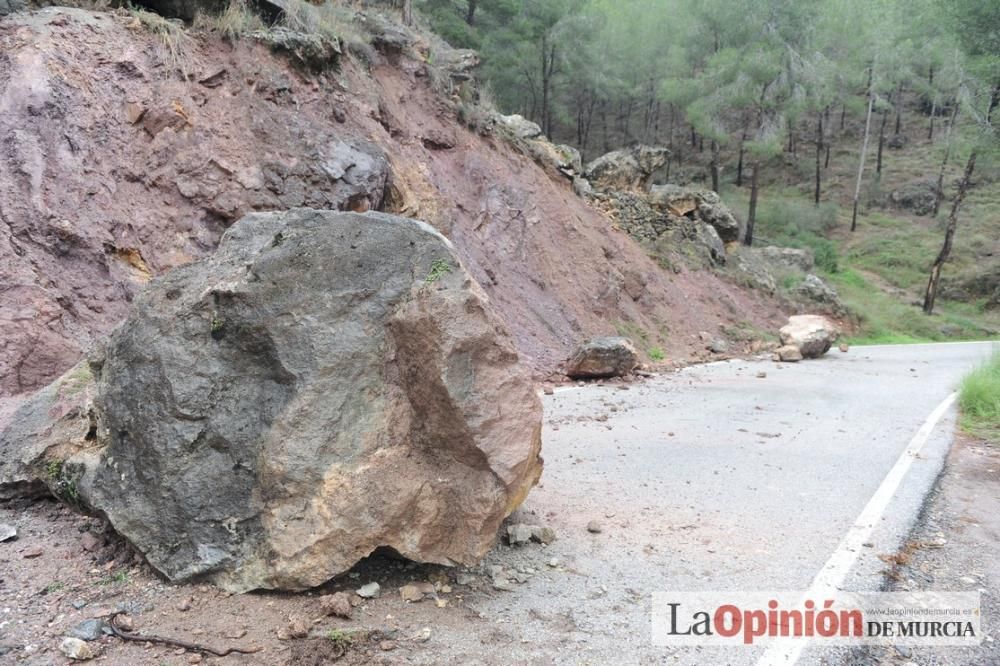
<point>626,169</point>
<point>325,384</point>
<point>812,335</point>
<point>603,357</point>
<point>139,171</point>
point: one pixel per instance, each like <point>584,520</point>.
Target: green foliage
<point>979,398</point>
<point>118,578</point>
<point>794,222</point>
<point>887,320</point>
<point>439,268</point>
<point>656,354</point>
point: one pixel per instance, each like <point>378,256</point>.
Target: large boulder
<point>626,169</point>
<point>603,357</point>
<point>325,384</point>
<point>813,335</point>
<point>54,424</point>
<point>520,126</point>
<point>11,6</point>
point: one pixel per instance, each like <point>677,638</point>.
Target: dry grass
<point>236,22</point>
<point>176,44</point>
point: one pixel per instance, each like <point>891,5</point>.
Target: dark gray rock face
<point>11,6</point>
<point>603,357</point>
<point>324,384</point>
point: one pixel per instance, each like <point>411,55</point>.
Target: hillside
<point>135,143</point>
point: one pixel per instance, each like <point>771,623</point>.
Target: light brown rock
<point>789,354</point>
<point>812,334</point>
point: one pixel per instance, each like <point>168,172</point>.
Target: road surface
<point>732,476</point>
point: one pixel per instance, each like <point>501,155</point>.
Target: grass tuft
<point>979,397</point>
<point>177,44</point>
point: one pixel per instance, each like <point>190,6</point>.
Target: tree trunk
<point>939,188</point>
<point>470,12</point>
<point>604,126</point>
<point>994,103</point>
<point>752,214</point>
<point>843,113</point>
<point>715,166</point>
<point>819,153</point>
<point>949,235</point>
<point>739,164</point>
<point>861,162</point>
<point>881,143</point>
<point>899,109</point>
<point>826,159</point>
<point>548,62</point>
<point>694,138</point>
<point>930,130</point>
<point>407,12</point>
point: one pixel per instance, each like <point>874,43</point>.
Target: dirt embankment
<point>115,168</point>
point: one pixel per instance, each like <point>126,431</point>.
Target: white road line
<point>785,652</point>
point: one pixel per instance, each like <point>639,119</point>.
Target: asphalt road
<point>717,479</point>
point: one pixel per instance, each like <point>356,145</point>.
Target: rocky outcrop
<point>813,289</point>
<point>692,223</point>
<point>703,205</point>
<point>314,51</point>
<point>520,126</point>
<point>323,385</point>
<point>603,357</point>
<point>748,267</point>
<point>812,335</point>
<point>629,169</point>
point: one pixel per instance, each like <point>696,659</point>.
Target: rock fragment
<point>76,649</point>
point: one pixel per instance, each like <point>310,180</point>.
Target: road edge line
<point>786,652</point>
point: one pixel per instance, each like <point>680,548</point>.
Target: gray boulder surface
<point>323,385</point>
<point>520,126</point>
<point>11,6</point>
<point>813,289</point>
<point>603,357</point>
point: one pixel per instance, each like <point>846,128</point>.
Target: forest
<point>742,90</point>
